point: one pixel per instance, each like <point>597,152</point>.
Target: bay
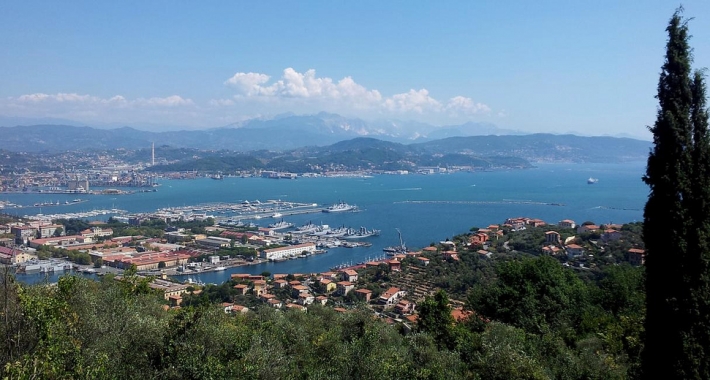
<point>426,208</point>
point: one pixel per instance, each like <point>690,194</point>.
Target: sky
<point>535,66</point>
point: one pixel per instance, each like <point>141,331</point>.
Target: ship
<point>360,234</point>
<point>306,228</point>
<point>340,207</point>
<point>396,249</point>
<point>280,225</point>
<point>592,181</point>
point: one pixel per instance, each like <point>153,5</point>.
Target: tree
<point>676,228</point>
<point>435,318</point>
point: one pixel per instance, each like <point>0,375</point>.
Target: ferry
<point>340,207</point>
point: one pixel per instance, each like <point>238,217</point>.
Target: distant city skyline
<point>547,66</point>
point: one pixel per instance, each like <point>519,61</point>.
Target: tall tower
<point>152,154</point>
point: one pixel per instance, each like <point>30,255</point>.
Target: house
<point>611,235</point>
<point>391,296</point>
<point>423,261</point>
<point>349,275</point>
<point>550,250</point>
<point>344,287</point>
<point>637,256</point>
<point>364,294</point>
<point>484,254</point>
<point>239,309</point>
<point>567,223</point>
<point>305,299</point>
<point>574,250</point>
<point>395,266</point>
<point>327,285</point>
<point>298,289</point>
<point>536,222</point>
<point>322,300</point>
<point>294,306</point>
<point>241,289</point>
<point>587,228</point>
<point>450,255</point>
<point>404,307</point>
<point>259,287</point>
<point>552,237</point>
<point>280,284</point>
<point>274,303</point>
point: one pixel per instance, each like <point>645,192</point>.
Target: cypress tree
<point>677,220</point>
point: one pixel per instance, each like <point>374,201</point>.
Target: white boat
<point>340,207</point>
<point>277,215</point>
<point>220,268</point>
<point>592,181</point>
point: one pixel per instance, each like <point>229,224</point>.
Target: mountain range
<point>283,132</point>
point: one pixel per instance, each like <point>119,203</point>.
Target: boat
<point>396,249</point>
<point>277,215</point>
<point>280,225</point>
<point>592,181</point>
<point>340,207</point>
<point>220,268</point>
<point>306,228</point>
<point>360,234</point>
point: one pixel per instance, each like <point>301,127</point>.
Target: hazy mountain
<point>542,147</point>
<point>287,132</point>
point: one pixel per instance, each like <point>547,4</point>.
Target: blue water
<point>476,199</point>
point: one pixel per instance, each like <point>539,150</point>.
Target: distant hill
<point>544,147</point>
<point>284,132</point>
<point>330,133</point>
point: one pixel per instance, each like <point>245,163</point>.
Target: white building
<point>283,252</point>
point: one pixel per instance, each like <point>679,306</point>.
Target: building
<point>364,294</point>
<point>391,296</point>
<point>50,229</point>
<point>153,260</point>
<point>587,228</point>
<point>567,223</point>
<point>284,252</point>
<point>349,275</point>
<point>574,250</point>
<point>168,288</point>
<point>214,242</point>
<point>637,256</point>
<point>23,234</point>
<point>552,237</point>
<point>344,287</point>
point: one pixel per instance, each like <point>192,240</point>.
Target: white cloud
<point>466,106</point>
<point>293,84</point>
<point>296,89</point>
<point>416,101</point>
<point>254,93</point>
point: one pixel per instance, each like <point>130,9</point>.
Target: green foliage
<point>435,318</point>
<point>677,219</point>
<point>537,295</point>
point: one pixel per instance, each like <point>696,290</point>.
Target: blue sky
<point>535,66</point>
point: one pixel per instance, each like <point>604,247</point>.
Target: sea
<point>425,208</point>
